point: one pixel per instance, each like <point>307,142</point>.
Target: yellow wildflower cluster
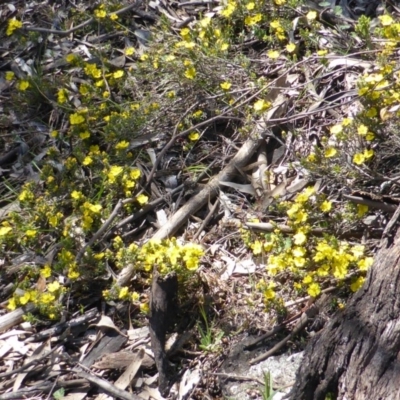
<point>229,9</point>
<point>277,29</point>
<point>165,256</point>
<point>307,258</point>
<point>170,255</point>
<point>46,300</point>
<point>13,25</point>
<point>124,178</point>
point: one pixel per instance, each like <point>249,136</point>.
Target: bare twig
<point>109,388</point>
<point>206,220</point>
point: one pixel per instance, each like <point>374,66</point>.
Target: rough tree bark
<point>357,355</point>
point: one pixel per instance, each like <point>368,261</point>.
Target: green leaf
<point>59,394</point>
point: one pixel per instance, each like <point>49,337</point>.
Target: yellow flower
<point>142,199</point>
<point>123,293</point>
<point>135,173</point>
<point>347,121</point>
<point>94,208</point>
<point>269,294</point>
<point>291,47</point>
<point>122,145</point>
<point>189,45</point>
<point>84,135</point>
<point>226,85</point>
<point>330,152</point>
<point>31,233</point>
<point>257,247</point>
<point>54,286</point>
<point>190,73</point>
<point>135,296</point>
<point>358,158</point>
<point>194,136</point>
<point>357,284</point>
<point>129,51</point>
<point>12,304</point>
<point>115,170</point>
<point>4,230</point>
<point>76,195</point>
<point>144,308</point>
<point>362,130</point>
<point>326,206</point>
<point>70,58</point>
<point>23,85</point>
<point>87,161</point>
<point>228,10</point>
<point>62,96</point>
<point>279,2</point>
<point>76,119</point>
<point>47,298</point>
<point>362,209</point>
<point>386,20</point>
<point>311,157</point>
<point>299,238</point>
<point>261,105</point>
<point>9,75</point>
<point>275,24</point>
<point>368,153</point>
<point>311,16</point>
<point>365,263</point>
<point>113,17</point>
<point>322,53</point>
<point>13,24</point>
<point>369,137</point>
<point>335,129</point>
<point>83,90</point>
<point>73,274</point>
<point>224,46</point>
<point>205,22</point>
<point>25,298</point>
<point>185,32</point>
<point>273,54</point>
<point>99,13</point>
<point>314,290</point>
<point>46,271</point>
<point>358,251</point>
<point>118,74</point>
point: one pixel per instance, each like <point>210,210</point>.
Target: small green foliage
<point>268,392</point>
<point>363,26</point>
<point>209,340</point>
<point>59,394</point>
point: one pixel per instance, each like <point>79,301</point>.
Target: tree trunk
<point>357,355</point>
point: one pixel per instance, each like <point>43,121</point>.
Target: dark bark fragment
<point>162,311</point>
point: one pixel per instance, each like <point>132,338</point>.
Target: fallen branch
<point>209,191</point>
<point>107,387</point>
<point>15,317</point>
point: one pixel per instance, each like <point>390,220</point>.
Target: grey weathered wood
<point>356,355</point>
